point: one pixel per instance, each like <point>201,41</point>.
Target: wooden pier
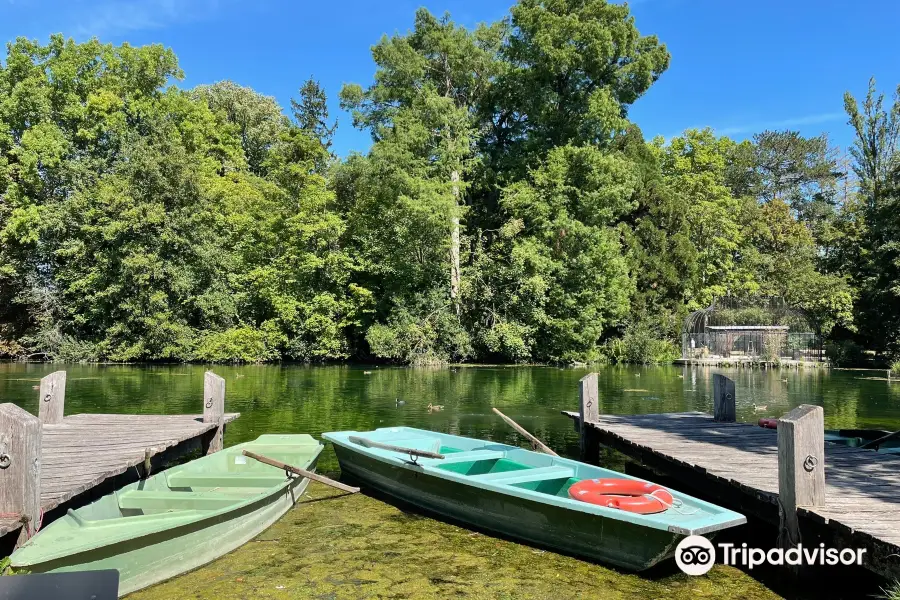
<point>51,461</point>
<point>812,491</point>
<point>751,362</point>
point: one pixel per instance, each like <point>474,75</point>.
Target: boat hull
<point>169,542</point>
<point>152,559</point>
<point>607,540</point>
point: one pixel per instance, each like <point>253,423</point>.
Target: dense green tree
<point>69,112</point>
<point>421,112</point>
<point>872,246</point>
<point>258,119</point>
<point>148,223</point>
<point>556,277</point>
<point>696,165</point>
<point>507,210</point>
<point>792,168</point>
<point>311,113</point>
<point>876,148</point>
<point>572,69</point>
<point>706,227</point>
<point>801,172</point>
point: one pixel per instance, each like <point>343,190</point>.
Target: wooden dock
<point>751,362</point>
<point>53,461</point>
<point>737,465</point>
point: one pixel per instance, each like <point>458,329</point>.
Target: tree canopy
<point>507,210</point>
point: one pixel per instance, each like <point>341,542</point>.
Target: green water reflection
<point>291,398</point>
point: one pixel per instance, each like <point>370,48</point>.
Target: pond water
<point>303,399</point>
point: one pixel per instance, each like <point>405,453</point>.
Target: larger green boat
<point>178,519</point>
<point>521,494</point>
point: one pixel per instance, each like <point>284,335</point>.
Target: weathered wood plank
<point>100,418</point>
<point>214,408</point>
<point>20,468</point>
<point>723,399</point>
<point>52,400</point>
<point>588,412</point>
<point>801,466</point>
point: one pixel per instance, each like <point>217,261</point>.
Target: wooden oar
<point>535,442</point>
<point>411,451</point>
<point>303,472</point>
<point>881,440</point>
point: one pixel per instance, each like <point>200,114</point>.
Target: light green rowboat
<point>178,519</point>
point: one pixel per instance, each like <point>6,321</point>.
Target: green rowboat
<point>521,494</point>
<point>856,438</point>
<point>178,519</point>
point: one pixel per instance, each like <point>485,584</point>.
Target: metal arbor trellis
<point>766,328</point>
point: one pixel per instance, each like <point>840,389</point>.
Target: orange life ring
<point>629,495</point>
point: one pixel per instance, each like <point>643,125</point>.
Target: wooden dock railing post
<point>52,401</point>
<point>214,409</point>
<point>20,468</point>
<point>589,412</point>
<point>801,467</point>
<point>723,399</point>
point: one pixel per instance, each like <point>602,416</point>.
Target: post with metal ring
<point>589,412</point>
<point>20,469</point>
<point>214,410</point>
<point>51,403</point>
<point>723,399</point>
<point>801,468</point>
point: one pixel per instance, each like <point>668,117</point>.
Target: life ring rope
<point>676,505</point>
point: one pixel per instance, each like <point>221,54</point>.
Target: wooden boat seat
<point>213,480</point>
<point>523,475</point>
<point>134,499</point>
<point>468,456</point>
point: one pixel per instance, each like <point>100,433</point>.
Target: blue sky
<point>737,66</point>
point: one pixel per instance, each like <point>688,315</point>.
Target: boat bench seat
<point>523,475</point>
<point>213,480</point>
<point>467,456</point>
<point>135,499</point>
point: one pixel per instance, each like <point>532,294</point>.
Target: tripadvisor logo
<point>695,555</point>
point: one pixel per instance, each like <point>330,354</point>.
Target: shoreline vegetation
<point>508,211</point>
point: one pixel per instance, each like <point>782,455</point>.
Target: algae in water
<point>332,546</point>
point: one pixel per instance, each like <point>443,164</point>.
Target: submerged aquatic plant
<point>891,592</point>
<point>355,546</point>
<point>895,367</point>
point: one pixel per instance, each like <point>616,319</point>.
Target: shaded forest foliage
<point>507,210</point>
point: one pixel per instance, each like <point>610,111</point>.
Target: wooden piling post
<point>53,398</point>
<point>723,399</point>
<point>148,463</point>
<point>589,411</point>
<point>214,409</point>
<point>20,468</point>
<point>801,467</point>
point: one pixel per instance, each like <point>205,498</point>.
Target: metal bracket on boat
<point>5,461</point>
<point>414,459</point>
